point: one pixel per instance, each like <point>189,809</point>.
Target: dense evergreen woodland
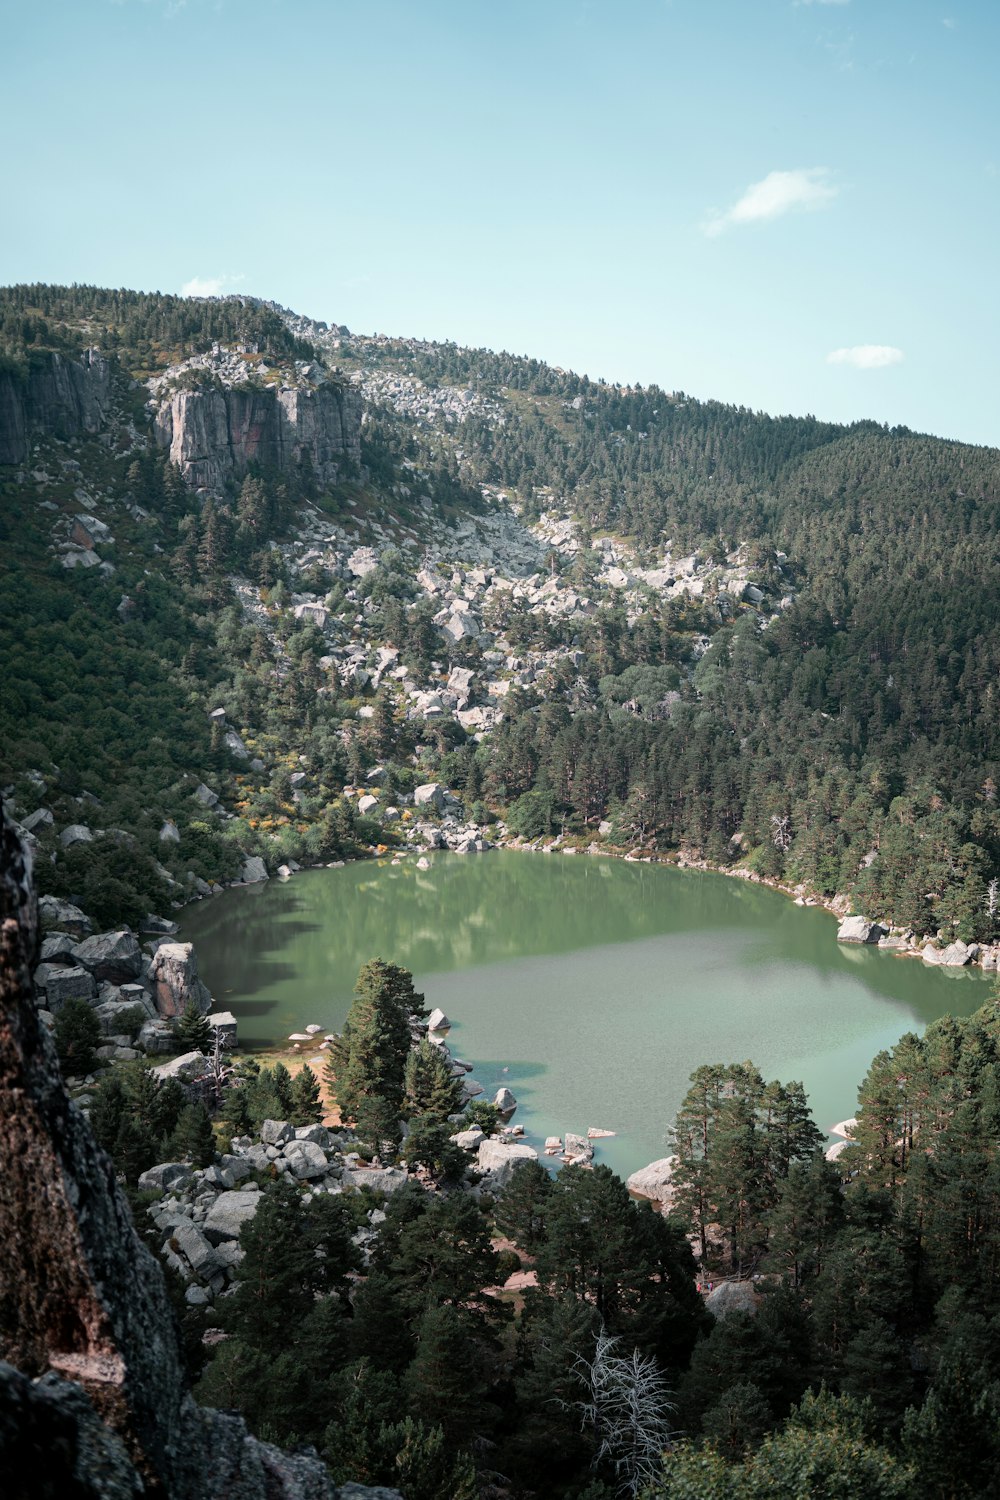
<point>855,1348</point>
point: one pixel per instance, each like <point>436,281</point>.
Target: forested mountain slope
<point>393,563</point>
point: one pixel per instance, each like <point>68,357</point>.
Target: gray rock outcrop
<point>114,956</point>
<point>174,975</point>
<point>214,435</point>
<point>55,395</point>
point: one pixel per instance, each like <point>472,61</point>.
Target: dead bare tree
<point>629,1410</point>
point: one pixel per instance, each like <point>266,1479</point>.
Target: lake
<point>590,986</point>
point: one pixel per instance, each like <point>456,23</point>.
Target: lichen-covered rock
<point>88,1309</point>
<point>174,973</point>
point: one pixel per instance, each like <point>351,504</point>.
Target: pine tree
<point>77,1032</point>
<point>446,1381</point>
<point>430,1086</point>
<point>521,1208</point>
<point>306,1108</point>
<point>193,1139</point>
<point>192,1030</point>
<point>370,1059</point>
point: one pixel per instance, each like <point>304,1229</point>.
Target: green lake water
<point>591,987</point>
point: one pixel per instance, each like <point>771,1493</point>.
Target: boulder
<point>64,916</point>
<point>167,1176</point>
<point>367,804</point>
<point>505,1101</point>
<point>500,1161</point>
<point>189,1241</point>
<point>859,930</point>
<point>174,973</point>
<point>235,745</point>
<point>578,1148</point>
<point>384,1180</point>
<point>225,1022</point>
<point>228,1214</point>
<point>114,956</point>
<point>653,1181</point>
<point>732,1296</point>
<point>40,818</point>
<point>318,1134</point>
<point>76,833</point>
<point>955,956</point>
<point>57,948</point>
<point>307,1160</point>
<point>276,1132</point>
<point>438,1021</point>
<point>469,1140</point>
<point>61,984</point>
<point>154,926</point>
<point>156,1039</point>
<point>206,796</point>
<point>169,833</point>
<point>254,870</point>
<point>188,1066</point>
<point>432,794</point>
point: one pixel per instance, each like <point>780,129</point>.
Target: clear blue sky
<point>717,195</point>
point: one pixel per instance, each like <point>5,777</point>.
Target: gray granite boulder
<point>228,1214</point>
<point>114,956</point>
<point>732,1296</point>
<point>653,1181</point>
<point>166,1176</point>
<point>382,1180</point>
<point>500,1161</point>
<point>955,956</point>
<point>64,916</point>
<point>859,930</point>
<point>61,984</point>
<point>188,1066</point>
<point>307,1160</point>
<point>188,1240</point>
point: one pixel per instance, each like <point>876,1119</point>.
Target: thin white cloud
<point>866,356</point>
<point>774,195</point>
<point>209,286</point>
<point>203,286</point>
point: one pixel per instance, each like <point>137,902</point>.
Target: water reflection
<point>612,981</point>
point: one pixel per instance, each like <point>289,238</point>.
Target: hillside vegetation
<point>829,718</point>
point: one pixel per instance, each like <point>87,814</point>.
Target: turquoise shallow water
<point>589,986</point>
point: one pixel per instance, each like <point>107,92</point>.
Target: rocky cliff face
<point>214,435</point>
<point>58,396</point>
<point>93,1401</point>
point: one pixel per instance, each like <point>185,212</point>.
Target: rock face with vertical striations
<point>213,435</point>
<point>93,1397</point>
<point>55,395</point>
